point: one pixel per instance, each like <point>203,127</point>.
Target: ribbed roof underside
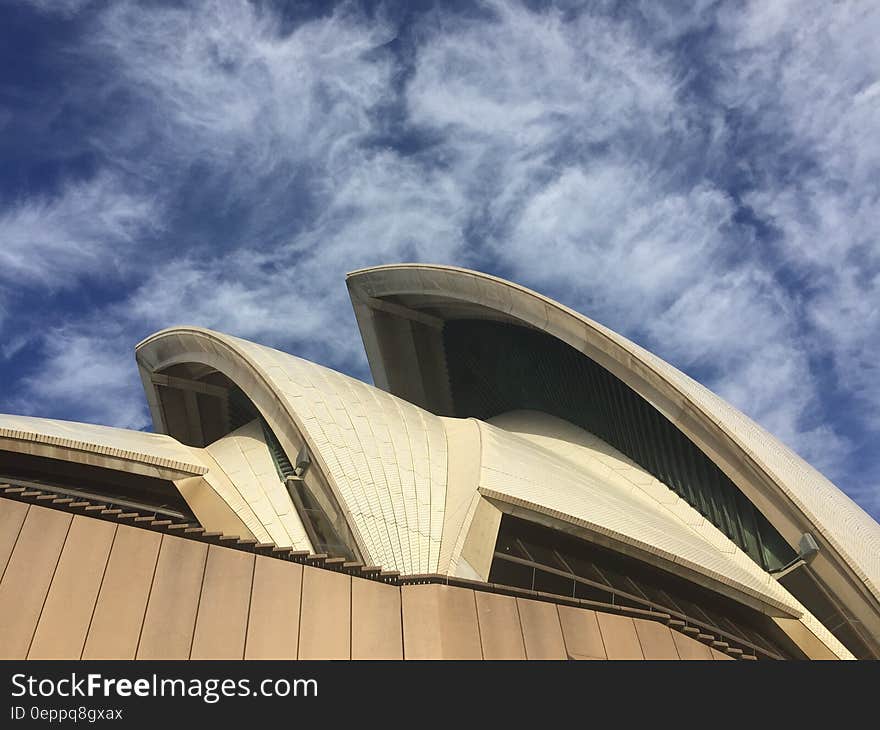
<point>497,367</point>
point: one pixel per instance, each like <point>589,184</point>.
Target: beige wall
<point>74,586</point>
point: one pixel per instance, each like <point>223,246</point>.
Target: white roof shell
<point>388,462</point>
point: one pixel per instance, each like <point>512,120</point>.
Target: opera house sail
<point>520,483</point>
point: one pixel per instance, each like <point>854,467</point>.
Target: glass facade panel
<point>535,371</point>
<point>598,574</point>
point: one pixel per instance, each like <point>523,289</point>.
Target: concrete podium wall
<point>75,587</point>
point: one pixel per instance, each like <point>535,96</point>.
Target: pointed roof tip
<point>414,265</point>
<point>177,328</point>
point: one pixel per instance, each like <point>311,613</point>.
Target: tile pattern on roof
<point>148,448</point>
<point>259,496</point>
<point>387,457</point>
<point>597,459</point>
<point>600,491</point>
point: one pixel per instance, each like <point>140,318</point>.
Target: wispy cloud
<point>809,75</point>
<point>702,179</point>
<point>225,85</point>
<point>87,230</point>
<point>590,140</point>
<point>87,375</point>
<point>64,8</point>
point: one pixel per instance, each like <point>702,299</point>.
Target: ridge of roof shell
<point>151,449</point>
<point>720,430</point>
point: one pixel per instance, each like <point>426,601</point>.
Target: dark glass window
<point>495,367</point>
<point>98,484</point>
<point>537,557</point>
<point>321,530</point>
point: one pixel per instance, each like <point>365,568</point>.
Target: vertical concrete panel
<point>174,600</point>
<point>440,622</point>
<point>619,636</point>
<point>542,633</point>
<point>122,601</point>
<point>221,624</point>
<point>479,546</point>
<point>273,625</point>
<point>805,639</point>
<point>70,603</point>
<point>580,628</point>
<point>27,578</point>
<point>689,648</point>
<point>325,618</point>
<point>500,631</point>
<point>462,478</point>
<point>376,631</point>
<point>655,639</point>
<point>12,516</point>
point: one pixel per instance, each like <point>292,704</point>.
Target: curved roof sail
<point>464,343</point>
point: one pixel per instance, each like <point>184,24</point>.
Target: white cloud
<point>576,131</point>
<point>560,147</point>
<point>65,8</point>
<point>223,83</point>
<point>740,325</point>
<point>528,78</point>
<point>522,95</point>
<point>89,373</point>
<point>810,73</point>
<point>88,230</point>
<point>621,244</point>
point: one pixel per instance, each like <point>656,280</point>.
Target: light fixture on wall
<point>808,549</point>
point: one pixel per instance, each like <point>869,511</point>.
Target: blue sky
<point>702,177</point>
